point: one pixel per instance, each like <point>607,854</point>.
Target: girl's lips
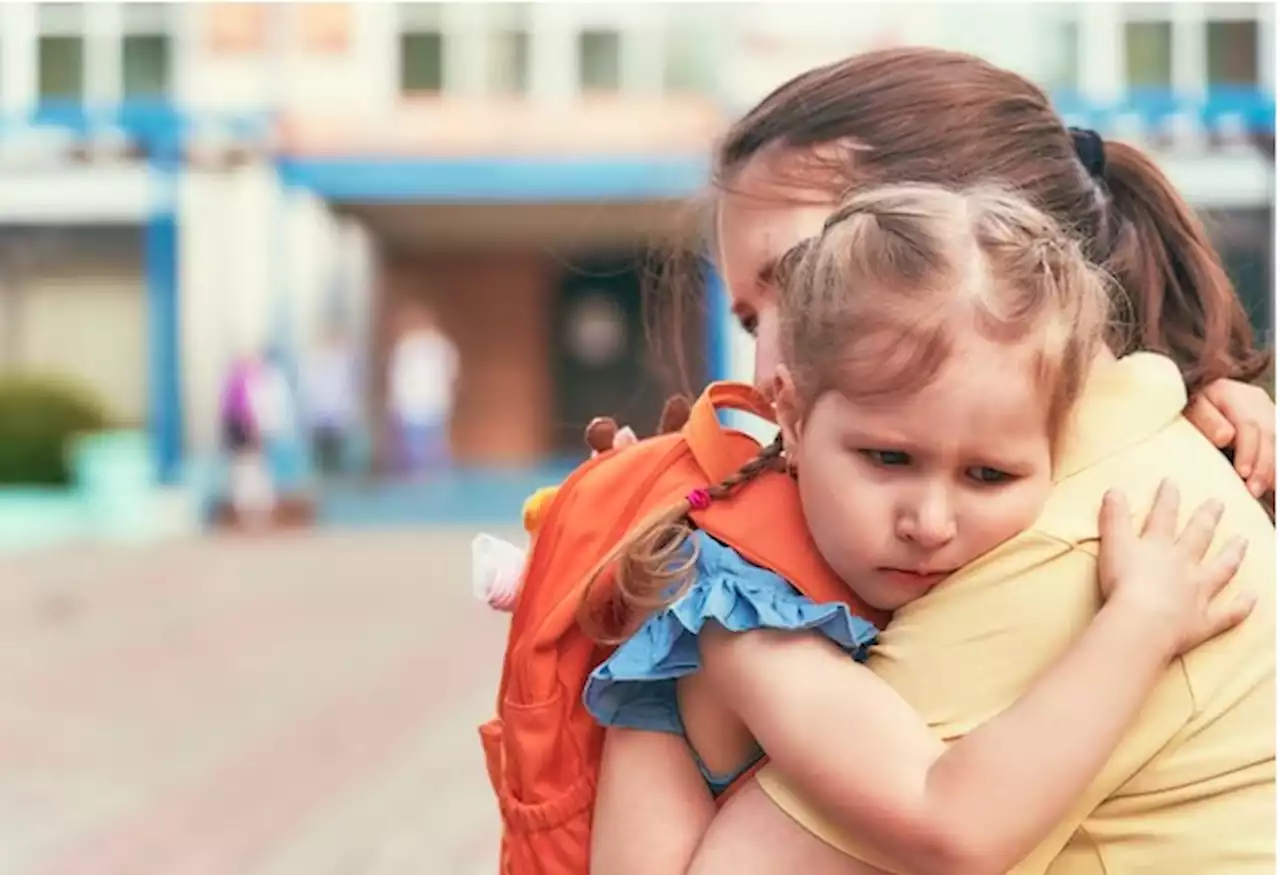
<point>914,579</point>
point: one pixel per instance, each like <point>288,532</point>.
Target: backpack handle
<point>718,451</point>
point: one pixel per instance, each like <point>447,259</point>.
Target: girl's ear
<point>787,404</point>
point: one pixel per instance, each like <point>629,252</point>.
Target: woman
<point>938,117</point>
<point>931,116</point>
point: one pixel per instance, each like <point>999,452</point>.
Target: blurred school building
<point>181,183</point>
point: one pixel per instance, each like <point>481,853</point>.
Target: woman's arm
<point>652,805</point>
<point>844,738</point>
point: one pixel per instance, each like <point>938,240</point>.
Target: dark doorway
<point>601,360</point>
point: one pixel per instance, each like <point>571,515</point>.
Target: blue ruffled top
<point>636,686</point>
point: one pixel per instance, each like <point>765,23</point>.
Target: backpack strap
<point>717,450</point>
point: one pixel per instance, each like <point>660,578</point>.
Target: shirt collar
<point>1124,402</point>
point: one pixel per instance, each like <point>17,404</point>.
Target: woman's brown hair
<point>926,115</point>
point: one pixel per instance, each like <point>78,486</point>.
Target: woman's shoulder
<point>1177,452</point>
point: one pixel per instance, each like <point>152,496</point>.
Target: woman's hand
<point>1243,417</point>
<point>1161,573</point>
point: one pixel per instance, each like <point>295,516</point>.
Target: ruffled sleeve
<point>635,687</point>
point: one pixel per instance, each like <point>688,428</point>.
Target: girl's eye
<point>886,458</point>
<point>983,474</point>
<point>749,322</point>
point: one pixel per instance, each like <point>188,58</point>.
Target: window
<point>61,68</point>
<point>60,51</point>
<point>600,60</point>
<point>146,62</point>
<point>1233,52</point>
<point>146,55</point>
<point>421,47</point>
<point>1148,54</point>
<point>421,62</point>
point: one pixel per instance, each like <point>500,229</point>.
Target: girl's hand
<point>1161,572</point>
<point>1243,417</point>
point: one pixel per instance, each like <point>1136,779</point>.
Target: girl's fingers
<point>1222,568</point>
<point>1198,534</point>
<point>1206,417</point>
<point>1162,521</point>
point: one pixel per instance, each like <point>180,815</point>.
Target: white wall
<point>82,311</point>
<point>86,194</point>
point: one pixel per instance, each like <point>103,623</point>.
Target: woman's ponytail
<point>1182,302</point>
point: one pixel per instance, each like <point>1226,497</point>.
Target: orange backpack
<point>543,750</point>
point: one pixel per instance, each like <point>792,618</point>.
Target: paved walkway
<point>296,706</point>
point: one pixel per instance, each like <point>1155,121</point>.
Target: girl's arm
<point>862,755</point>
<point>1243,417</point>
<point>853,746</point>
<point>652,805</point>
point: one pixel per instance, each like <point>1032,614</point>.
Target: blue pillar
<point>164,396</point>
<point>289,454</point>
<point>717,322</point>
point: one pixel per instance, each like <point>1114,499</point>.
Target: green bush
<point>40,416</point>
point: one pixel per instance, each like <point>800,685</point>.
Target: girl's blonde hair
<point>876,304</point>
<point>901,275</point>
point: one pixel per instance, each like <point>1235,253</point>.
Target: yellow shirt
<point>1191,789</point>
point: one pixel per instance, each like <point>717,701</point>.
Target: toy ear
<point>600,434</point>
<point>675,413</point>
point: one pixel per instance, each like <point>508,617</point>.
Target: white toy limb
<point>497,569</point>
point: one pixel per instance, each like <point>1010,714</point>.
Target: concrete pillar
<point>553,54</point>
<point>1102,52</point>
<point>1267,47</point>
<point>466,48</point>
<point>1190,50</point>
<point>103,51</point>
<point>19,31</point>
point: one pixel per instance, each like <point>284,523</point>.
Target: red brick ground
<point>296,706</point>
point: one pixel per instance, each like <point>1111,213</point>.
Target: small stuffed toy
<point>497,566</point>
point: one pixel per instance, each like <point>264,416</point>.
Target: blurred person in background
<point>332,398</point>
<point>422,378</point>
<point>275,409</point>
<point>249,484</point>
<point>934,116</point>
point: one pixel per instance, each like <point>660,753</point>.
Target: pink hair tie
<point>699,499</point>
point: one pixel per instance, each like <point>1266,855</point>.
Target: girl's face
<point>756,223</point>
<point>925,483</point>
<point>901,491</point>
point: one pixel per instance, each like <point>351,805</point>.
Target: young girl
<point>932,346</point>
